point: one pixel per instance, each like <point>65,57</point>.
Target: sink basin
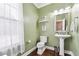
<point>62,35</point>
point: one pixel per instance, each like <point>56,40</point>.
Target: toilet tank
<point>43,38</point>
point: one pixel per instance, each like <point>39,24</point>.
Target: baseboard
<point>28,52</point>
<point>48,47</point>
<point>51,48</point>
<point>66,51</point>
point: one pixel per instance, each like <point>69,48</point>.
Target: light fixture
<point>61,11</point>
<point>67,9</point>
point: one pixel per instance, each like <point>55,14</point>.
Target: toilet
<point>41,45</point>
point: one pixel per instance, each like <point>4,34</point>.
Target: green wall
<point>32,29</point>
<point>30,25</point>
<point>46,11</point>
<point>72,44</point>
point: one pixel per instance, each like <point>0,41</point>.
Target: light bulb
<point>67,8</point>
<point>61,11</point>
<point>55,12</point>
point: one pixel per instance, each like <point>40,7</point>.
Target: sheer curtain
<point>11,29</point>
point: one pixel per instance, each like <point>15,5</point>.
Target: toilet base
<point>41,50</point>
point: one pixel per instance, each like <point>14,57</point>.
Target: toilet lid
<point>42,43</point>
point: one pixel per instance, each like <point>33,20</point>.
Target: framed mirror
<point>60,24</point>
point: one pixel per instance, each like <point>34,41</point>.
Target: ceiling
<point>40,5</point>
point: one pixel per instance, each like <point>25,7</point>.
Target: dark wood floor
<point>47,52</point>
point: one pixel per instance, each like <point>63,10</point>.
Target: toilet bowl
<point>41,45</point>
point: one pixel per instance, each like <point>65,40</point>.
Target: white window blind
<point>11,29</point>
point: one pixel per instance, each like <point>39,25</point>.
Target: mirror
<point>60,25</point>
<point>64,21</point>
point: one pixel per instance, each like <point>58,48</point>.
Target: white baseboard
<point>28,52</point>
<point>31,50</point>
<point>51,48</point>
<point>65,51</point>
<point>48,47</point>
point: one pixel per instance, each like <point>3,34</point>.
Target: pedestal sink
<point>61,38</point>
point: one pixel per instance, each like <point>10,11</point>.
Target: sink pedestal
<point>61,37</point>
<point>61,53</point>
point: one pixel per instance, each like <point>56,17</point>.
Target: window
<point>11,27</point>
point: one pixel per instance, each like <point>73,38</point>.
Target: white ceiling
<point>39,5</point>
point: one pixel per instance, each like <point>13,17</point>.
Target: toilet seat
<point>40,44</point>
